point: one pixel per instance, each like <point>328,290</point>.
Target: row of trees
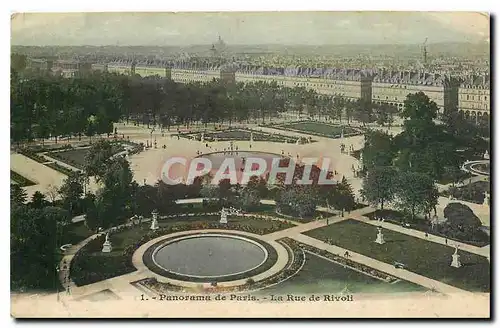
<point>44,106</point>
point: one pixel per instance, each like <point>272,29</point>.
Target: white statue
<point>486,155</point>
<point>223,216</point>
<point>455,259</point>
<point>251,136</point>
<point>486,201</point>
<point>106,247</point>
<point>380,237</point>
<point>154,222</point>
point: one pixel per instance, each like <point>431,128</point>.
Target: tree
<point>461,216</point>
<point>18,195</point>
<point>71,192</point>
<point>117,190</point>
<point>379,185</point>
<point>461,221</point>
<point>415,193</point>
<point>57,214</point>
<point>97,159</point>
<point>298,201</point>
<point>378,150</point>
<point>52,193</point>
<point>258,184</point>
<point>249,198</point>
<point>341,196</point>
<point>38,200</point>
<point>34,237</point>
<point>93,217</point>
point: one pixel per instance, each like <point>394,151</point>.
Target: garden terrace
<point>91,265</point>
<point>420,256</point>
<point>319,129</point>
<point>424,225</point>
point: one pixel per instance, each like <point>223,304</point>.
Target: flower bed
<point>58,167</point>
<point>32,155</point>
<point>21,180</point>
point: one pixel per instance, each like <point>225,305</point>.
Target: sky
<point>288,28</point>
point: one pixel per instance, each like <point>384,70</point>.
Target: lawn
<point>75,233</point>
<point>76,157</point>
<point>320,276</point>
<point>321,129</point>
<point>20,180</point>
<point>423,257</point>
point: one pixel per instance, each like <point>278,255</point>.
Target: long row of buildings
<point>469,95</point>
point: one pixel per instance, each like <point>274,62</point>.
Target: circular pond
<point>209,256</point>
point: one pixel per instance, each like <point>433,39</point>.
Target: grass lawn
<point>75,233</point>
<point>20,180</point>
<point>322,129</point>
<point>76,157</point>
<point>320,276</point>
<point>423,257</point>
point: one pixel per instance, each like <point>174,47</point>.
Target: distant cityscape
<point>452,80</point>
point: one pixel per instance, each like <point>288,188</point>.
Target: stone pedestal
<point>106,247</point>
<point>455,261</point>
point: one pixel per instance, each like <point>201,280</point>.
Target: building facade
<point>470,96</point>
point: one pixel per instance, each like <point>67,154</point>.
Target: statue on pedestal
<point>486,201</point>
<point>455,259</point>
<point>380,237</point>
<point>223,216</point>
<point>154,222</point>
<point>486,155</point>
<point>106,247</point>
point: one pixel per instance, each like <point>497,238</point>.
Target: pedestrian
<point>426,235</point>
<point>327,221</point>
<point>446,241</point>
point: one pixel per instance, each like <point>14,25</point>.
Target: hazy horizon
<point>248,28</point>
